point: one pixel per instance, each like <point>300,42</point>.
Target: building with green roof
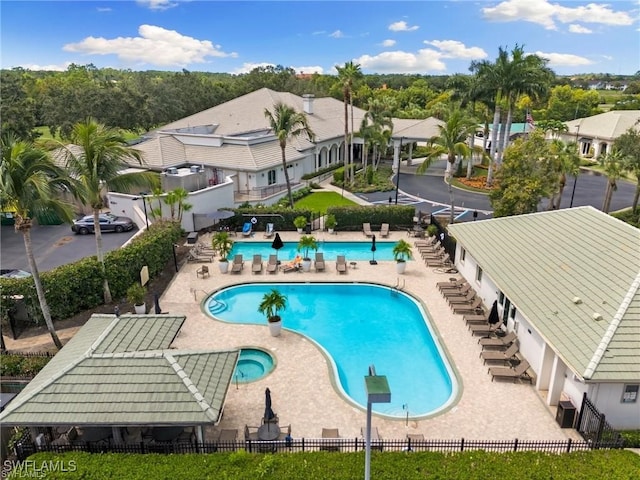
<point>568,283</point>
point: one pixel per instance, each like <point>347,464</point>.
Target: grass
<point>45,134</point>
<point>318,202</point>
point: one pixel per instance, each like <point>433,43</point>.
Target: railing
<point>327,444</point>
<point>593,426</point>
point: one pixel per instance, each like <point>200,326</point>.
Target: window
<point>501,299</point>
<point>478,274</point>
<point>271,177</point>
<point>463,255</point>
<point>630,394</point>
<point>512,312</point>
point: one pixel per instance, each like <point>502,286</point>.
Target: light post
<point>377,392</point>
<point>575,179</point>
<point>175,257</point>
<point>144,205</point>
<point>398,172</point>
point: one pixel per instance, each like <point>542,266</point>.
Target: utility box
<point>566,414</point>
<point>308,228</point>
<point>192,238</point>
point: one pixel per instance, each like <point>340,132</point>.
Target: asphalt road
<point>53,245</point>
<point>429,194</point>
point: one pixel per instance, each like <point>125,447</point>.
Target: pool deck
<point>302,384</point>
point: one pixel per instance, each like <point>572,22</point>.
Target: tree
<point>452,142</point>
<point>524,178</point>
<point>565,159</point>
<point>347,76</point>
<point>101,153</point>
<point>30,184</point>
<point>613,164</point>
<point>176,198</point>
<point>628,144</point>
<point>286,122</point>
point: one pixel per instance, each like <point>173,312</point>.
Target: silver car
<point>108,223</point>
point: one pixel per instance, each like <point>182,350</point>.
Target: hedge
<point>351,217</point>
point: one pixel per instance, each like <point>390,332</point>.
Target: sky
<point>429,37</point>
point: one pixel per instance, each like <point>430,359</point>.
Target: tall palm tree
<point>375,122</point>
<point>347,76</point>
<point>452,142</point>
<point>565,160</point>
<point>30,184</point>
<point>613,164</point>
<point>629,145</point>
<point>102,154</point>
<point>287,123</point>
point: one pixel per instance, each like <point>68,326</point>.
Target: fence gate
<point>593,426</point>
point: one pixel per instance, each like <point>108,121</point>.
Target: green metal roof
<point>544,262</point>
<point>120,371</point>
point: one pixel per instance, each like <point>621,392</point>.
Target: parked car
<point>108,223</point>
<point>13,273</point>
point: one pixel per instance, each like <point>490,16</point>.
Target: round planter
<point>306,264</point>
<point>331,230</point>
<point>275,328</point>
<point>140,309</point>
<point>224,267</point>
<point>401,266</point>
<point>299,230</point>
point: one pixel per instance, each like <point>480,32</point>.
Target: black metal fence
<point>24,449</point>
<point>593,426</point>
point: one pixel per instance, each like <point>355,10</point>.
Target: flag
<point>530,121</point>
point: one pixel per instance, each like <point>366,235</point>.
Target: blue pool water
<point>351,250</point>
<point>358,325</point>
<point>253,364</point>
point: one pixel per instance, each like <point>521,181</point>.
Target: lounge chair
<point>366,229</point>
<point>498,356</point>
<point>268,233</point>
<point>341,264</point>
<point>474,307</point>
<point>485,329</point>
<point>459,291</point>
<point>384,230</point>
<point>498,342</point>
<point>272,264</point>
<point>332,440</point>
<point>516,373</point>
<point>238,264</point>
<point>415,437</point>
<point>465,299</point>
<point>194,257</point>
<point>293,266</point>
<point>251,433</point>
<point>247,229</point>
<point>476,319</point>
<point>256,265</point>
<point>227,440</point>
<point>319,263</point>
<point>451,283</point>
<point>376,443</point>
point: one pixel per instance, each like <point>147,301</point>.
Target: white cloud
<point>336,34</point>
<point>155,46</point>
<point>104,9</point>
<point>310,69</point>
<point>546,14</point>
<point>575,28</point>
<point>402,27</point>
<point>388,43</point>
<point>157,4</point>
<point>564,59</point>
<point>455,49</point>
<point>48,68</point>
<point>423,61</point>
<point>247,67</point>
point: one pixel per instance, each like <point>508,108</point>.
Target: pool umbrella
<point>493,315</point>
<point>373,250</point>
<point>221,214</point>
<point>277,244</point>
<point>268,412</point>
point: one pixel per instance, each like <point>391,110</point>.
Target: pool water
<point>253,364</point>
<point>353,251</point>
<point>358,325</point>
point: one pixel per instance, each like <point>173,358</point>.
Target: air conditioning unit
<point>171,171</point>
<point>194,169</point>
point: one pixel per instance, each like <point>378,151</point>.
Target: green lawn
<point>318,202</point>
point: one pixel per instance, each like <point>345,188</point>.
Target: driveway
<point>53,245</point>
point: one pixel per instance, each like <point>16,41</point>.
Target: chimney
<point>307,103</point>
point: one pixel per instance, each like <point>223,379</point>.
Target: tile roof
<point>121,371</point>
<point>542,261</point>
<point>605,126</point>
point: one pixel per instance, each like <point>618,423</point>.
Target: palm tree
<point>176,198</point>
<point>565,159</point>
<point>376,121</point>
<point>286,123</point>
<point>613,164</point>
<point>103,154</point>
<point>347,76</point>
<point>629,145</point>
<point>452,142</point>
<point>30,184</point>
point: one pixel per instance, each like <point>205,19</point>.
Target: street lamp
<point>144,204</point>
<point>575,180</point>
<point>377,392</point>
<point>175,257</point>
<point>398,172</point>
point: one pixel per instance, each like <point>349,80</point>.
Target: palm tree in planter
<point>272,302</point>
<point>135,294</point>
<point>401,252</point>
<point>306,243</point>
<point>223,243</point>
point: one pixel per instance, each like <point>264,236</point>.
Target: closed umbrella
<point>493,315</point>
<point>277,244</point>
<point>373,250</point>
<point>156,303</point>
<point>268,412</point>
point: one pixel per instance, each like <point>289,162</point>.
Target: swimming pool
<point>351,250</point>
<point>253,364</point>
<point>358,325</point>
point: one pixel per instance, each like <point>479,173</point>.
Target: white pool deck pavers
<point>303,385</point>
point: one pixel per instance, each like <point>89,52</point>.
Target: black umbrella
<point>277,244</point>
<point>493,315</point>
<point>268,412</point>
<point>373,250</point>
<point>220,214</point>
<point>156,302</point>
